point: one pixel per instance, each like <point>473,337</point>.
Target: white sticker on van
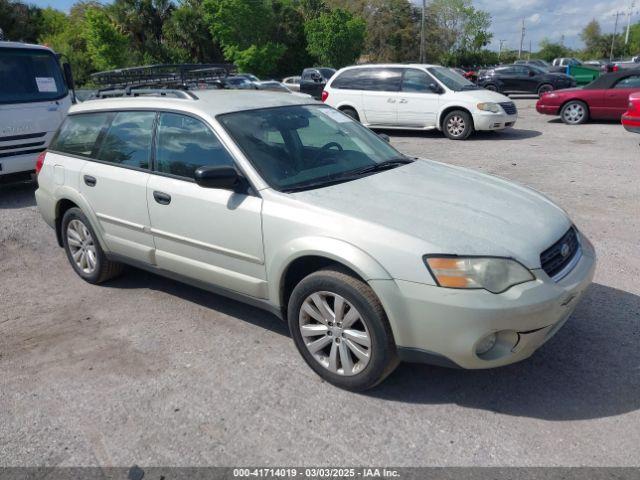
<point>46,84</point>
<point>335,115</point>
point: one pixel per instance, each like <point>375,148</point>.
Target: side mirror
<point>434,88</point>
<point>532,73</point>
<point>221,177</point>
<point>385,137</point>
<point>68,76</point>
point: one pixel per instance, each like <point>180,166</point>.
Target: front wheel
<point>545,88</point>
<point>457,125</point>
<point>341,330</point>
<point>574,113</point>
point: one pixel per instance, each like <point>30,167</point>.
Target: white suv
<point>285,203</point>
<point>418,97</point>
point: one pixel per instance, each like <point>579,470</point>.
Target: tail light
<point>40,161</point>
<point>325,95</point>
<point>615,68</point>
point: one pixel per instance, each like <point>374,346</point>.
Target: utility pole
<point>521,39</point>
<point>422,33</point>
<point>529,49</point>
<point>626,38</point>
<point>615,32</point>
<point>502,42</point>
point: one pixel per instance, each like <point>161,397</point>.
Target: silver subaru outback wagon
<point>371,257</point>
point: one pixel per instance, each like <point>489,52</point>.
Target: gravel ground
<point>147,371</point>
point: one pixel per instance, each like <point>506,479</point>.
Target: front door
<point>417,104</point>
<point>210,235</point>
<point>116,184</point>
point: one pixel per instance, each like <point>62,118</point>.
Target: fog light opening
<point>486,344</point>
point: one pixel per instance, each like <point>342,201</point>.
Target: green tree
<point>550,50</point>
<point>106,45</point>
<point>335,38</point>
<point>245,29</point>
<point>20,22</point>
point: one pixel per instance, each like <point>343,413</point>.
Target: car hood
<point>481,95</point>
<point>452,210</point>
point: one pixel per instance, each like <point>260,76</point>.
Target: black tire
<point>574,112</point>
<point>457,125</point>
<point>545,88</point>
<point>351,113</point>
<point>382,353</point>
<point>491,87</point>
<point>105,269</point>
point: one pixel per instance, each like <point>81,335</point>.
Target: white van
<point>34,99</point>
<point>418,97</point>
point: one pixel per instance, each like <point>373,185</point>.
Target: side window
<point>506,71</point>
<point>348,80</point>
<point>416,81</point>
<point>184,144</point>
<point>128,140</point>
<point>79,133</point>
<point>630,82</point>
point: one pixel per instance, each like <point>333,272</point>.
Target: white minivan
<point>418,97</point>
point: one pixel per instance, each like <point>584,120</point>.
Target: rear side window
<point>128,140</point>
<point>371,79</point>
<point>184,144</point>
<point>79,133</point>
<point>630,82</point>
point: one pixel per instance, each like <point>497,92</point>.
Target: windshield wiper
<point>386,165</point>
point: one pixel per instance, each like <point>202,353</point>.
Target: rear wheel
<point>341,330</point>
<point>574,112</point>
<point>545,88</point>
<point>491,87</point>
<point>351,113</point>
<point>83,249</point>
<point>457,125</point>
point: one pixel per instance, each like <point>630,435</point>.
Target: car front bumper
<point>547,109</point>
<point>444,326</point>
<point>493,121</point>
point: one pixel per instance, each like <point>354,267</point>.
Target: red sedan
<point>631,118</point>
<point>606,98</point>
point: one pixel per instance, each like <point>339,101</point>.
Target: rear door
<point>114,183</point>
<point>508,76</point>
<point>417,104</point>
<point>616,99</point>
<point>380,95</point>
<point>210,235</point>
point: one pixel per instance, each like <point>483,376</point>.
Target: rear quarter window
<point>79,133</point>
<point>370,79</point>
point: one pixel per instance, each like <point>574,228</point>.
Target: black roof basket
<point>144,91</point>
<point>172,76</point>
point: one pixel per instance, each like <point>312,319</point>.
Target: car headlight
<point>490,273</point>
<point>489,107</point>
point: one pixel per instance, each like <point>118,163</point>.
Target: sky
<point>543,18</point>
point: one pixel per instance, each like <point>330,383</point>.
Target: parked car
<point>35,93</point>
<point>313,80</point>
<point>565,62</point>
<point>523,79</point>
<point>287,204</point>
<point>631,118</point>
<point>238,83</point>
<point>293,83</point>
<point>249,76</point>
<point>634,63</point>
<point>606,98</point>
<point>418,97</point>
<point>272,85</point>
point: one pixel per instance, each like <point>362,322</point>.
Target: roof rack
<point>181,76</point>
<point>141,91</point>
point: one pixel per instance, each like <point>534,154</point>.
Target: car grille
<point>22,144</point>
<point>556,258</point>
<point>509,108</point>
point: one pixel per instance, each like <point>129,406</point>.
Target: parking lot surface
<point>147,371</point>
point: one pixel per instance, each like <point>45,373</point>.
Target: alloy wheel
<point>82,246</point>
<point>335,333</point>
<point>573,113</point>
<point>456,125</point>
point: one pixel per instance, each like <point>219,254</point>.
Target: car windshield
<point>29,75</point>
<point>452,80</point>
<point>303,147</point>
<point>327,72</point>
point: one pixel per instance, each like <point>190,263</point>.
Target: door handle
<point>391,100</point>
<point>404,100</point>
<point>162,198</point>
<point>90,181</point>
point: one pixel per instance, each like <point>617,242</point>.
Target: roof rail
<point>144,92</point>
<point>184,75</point>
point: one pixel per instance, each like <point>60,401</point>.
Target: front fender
<point>333,249</point>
